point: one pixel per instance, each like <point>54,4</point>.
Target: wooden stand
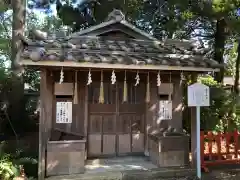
<point>164,154</point>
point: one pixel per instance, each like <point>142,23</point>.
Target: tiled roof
<point>86,47</point>
<point>128,51</point>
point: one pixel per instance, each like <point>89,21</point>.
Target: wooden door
<point>115,127</point>
<point>102,121</point>
<point>130,120</point>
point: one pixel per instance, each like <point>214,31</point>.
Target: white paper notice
<point>64,112</point>
<point>165,110</point>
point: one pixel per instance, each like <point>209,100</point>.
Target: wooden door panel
<point>116,127</point>
<point>137,123</point>
<point>130,130</point>
<point>102,135</point>
<point>109,144</point>
<point>109,135</point>
<point>124,143</point>
<point>124,124</point>
<point>95,124</point>
<point>131,118</point>
<point>94,144</point>
<point>130,123</point>
<point>108,124</point>
<point>138,142</point>
<point>95,135</point>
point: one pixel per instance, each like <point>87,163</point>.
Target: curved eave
<point>72,64</point>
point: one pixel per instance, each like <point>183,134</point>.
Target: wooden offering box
<point>169,150</point>
<point>65,156</point>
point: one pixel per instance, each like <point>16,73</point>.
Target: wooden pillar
<point>151,115</point>
<point>85,110</point>
<point>176,121</point>
<point>45,122</point>
<point>193,128</point>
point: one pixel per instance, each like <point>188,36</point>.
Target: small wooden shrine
<point>111,90</point>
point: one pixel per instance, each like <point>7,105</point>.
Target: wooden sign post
<point>198,96</point>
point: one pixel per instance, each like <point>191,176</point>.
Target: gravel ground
<point>220,174</point>
<point>231,174</point>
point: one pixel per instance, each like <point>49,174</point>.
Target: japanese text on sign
<point>64,112</point>
<point>198,95</point>
<point>165,110</point>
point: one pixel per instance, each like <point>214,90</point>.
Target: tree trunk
<point>16,108</point>
<point>220,38</point>
<point>237,65</point>
<point>18,24</point>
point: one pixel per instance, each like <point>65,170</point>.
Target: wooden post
<point>46,104</point>
<point>177,102</point>
<point>86,113</point>
<point>85,110</point>
<point>193,128</point>
<point>151,115</point>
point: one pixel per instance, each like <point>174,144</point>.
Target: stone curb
<point>131,175</point>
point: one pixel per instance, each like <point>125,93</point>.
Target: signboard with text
<point>198,95</point>
<point>64,112</point>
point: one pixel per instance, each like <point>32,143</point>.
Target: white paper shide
<point>64,112</point>
<point>165,110</point>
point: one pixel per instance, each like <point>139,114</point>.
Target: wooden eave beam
<point>114,66</point>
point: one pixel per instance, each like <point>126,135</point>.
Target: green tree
<point>221,13</point>
<point>231,56</point>
<point>237,67</point>
<point>211,21</point>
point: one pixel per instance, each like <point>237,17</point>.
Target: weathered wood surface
<point>64,92</point>
<point>63,89</point>
<point>65,157</point>
<point>116,127</point>
<point>45,123</point>
<point>164,154</point>
<point>113,121</point>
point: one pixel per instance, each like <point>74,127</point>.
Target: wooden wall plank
<point>46,100</point>
<point>152,107</point>
<point>79,125</point>
<point>79,110</point>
